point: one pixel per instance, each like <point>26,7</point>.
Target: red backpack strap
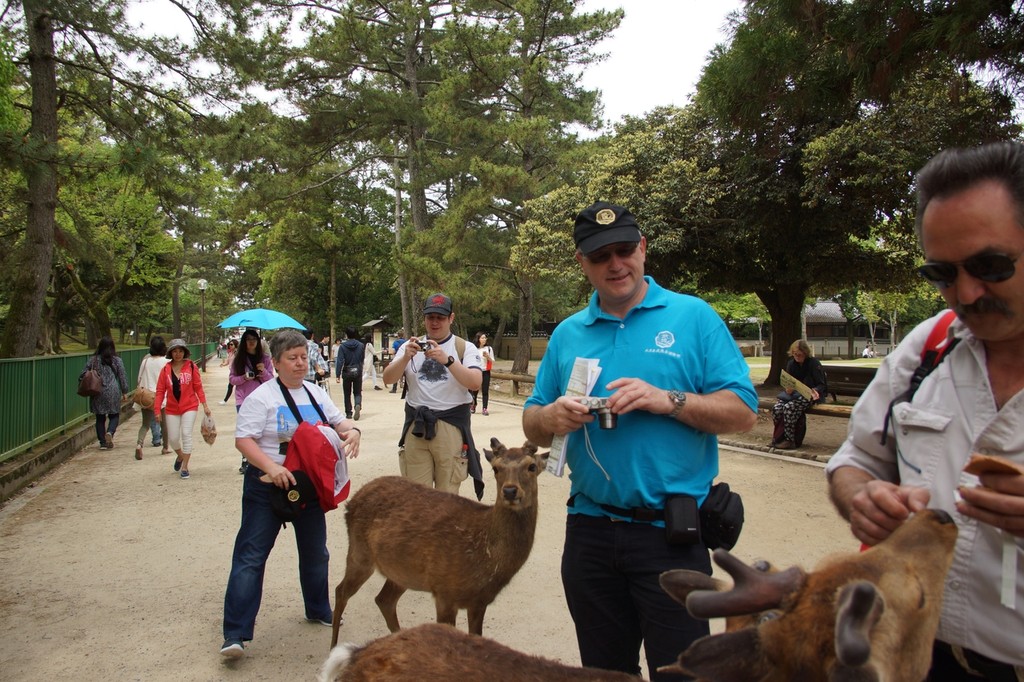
<point>936,347</point>
<point>938,341</point>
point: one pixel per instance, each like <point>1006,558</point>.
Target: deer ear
<point>729,657</point>
<point>488,454</point>
<point>529,448</point>
<point>860,607</point>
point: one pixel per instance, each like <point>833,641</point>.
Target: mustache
<point>982,306</point>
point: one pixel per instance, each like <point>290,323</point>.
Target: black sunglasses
<point>988,267</point>
<point>623,251</point>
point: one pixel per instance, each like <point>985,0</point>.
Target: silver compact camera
<point>606,419</point>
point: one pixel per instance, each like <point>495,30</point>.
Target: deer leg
<point>387,602</point>
<point>475,616</point>
<point>446,611</point>
<point>355,575</point>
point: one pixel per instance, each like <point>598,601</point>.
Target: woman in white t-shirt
<point>265,425</point>
<point>487,355</point>
<point>149,372</point>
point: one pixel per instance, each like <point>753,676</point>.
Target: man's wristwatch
<point>451,361</point>
<point>679,400</point>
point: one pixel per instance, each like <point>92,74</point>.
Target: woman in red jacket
<point>182,387</point>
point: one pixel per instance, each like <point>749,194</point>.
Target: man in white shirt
<point>970,221</point>
<point>440,370</point>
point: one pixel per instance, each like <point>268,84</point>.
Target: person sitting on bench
<point>789,409</point>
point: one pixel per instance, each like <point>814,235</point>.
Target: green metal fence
<point>39,398</point>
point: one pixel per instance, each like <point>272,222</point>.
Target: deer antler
<point>753,590</point>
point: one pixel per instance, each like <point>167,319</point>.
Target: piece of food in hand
<point>988,464</point>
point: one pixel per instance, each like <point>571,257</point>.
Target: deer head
<point>516,471</point>
<point>869,617</point>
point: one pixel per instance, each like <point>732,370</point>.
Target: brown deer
<point>865,617</point>
<point>439,653</point>
<point>868,617</point>
<point>459,550</point>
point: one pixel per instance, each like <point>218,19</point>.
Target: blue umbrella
<point>260,318</point>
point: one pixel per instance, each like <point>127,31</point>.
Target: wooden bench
<point>848,380</point>
<point>823,410</point>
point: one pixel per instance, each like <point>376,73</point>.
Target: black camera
<point>250,375</point>
<point>606,419</point>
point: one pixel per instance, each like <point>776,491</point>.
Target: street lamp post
<point>202,312</point>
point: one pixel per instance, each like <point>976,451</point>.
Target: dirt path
<point>114,569</point>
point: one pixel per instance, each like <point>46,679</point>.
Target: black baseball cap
<point>601,224</point>
<point>437,303</point>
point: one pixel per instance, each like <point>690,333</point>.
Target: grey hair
<point>285,340</point>
<point>954,170</point>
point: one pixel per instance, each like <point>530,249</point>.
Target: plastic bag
<point>208,429</point>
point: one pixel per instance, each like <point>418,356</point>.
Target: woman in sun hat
<point>182,387</point>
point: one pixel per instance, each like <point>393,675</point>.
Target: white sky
<point>654,58</point>
<point>656,55</point>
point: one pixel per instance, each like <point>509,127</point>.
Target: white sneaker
<point>222,402</point>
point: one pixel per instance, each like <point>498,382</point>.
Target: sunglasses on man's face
<point>988,267</point>
<point>623,251</point>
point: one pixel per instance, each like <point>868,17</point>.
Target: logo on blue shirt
<point>665,339</point>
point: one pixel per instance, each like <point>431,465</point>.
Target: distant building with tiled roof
<point>827,332</point>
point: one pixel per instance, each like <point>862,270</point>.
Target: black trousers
<point>352,388</point>
<point>610,575</point>
<point>485,389</point>
<point>945,667</point>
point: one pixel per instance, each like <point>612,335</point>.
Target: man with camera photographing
<point>673,378</point>
<point>440,369</point>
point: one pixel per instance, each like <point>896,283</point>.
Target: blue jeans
<point>106,423</point>
<point>149,424</point>
<point>157,430</point>
<point>610,575</point>
<point>255,539</point>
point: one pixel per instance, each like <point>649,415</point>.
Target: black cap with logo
<point>601,224</point>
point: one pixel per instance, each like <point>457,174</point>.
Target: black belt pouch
<point>682,520</point>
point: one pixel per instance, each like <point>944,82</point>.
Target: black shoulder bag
<point>288,504</point>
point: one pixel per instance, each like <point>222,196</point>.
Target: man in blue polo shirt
<point>675,378</point>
